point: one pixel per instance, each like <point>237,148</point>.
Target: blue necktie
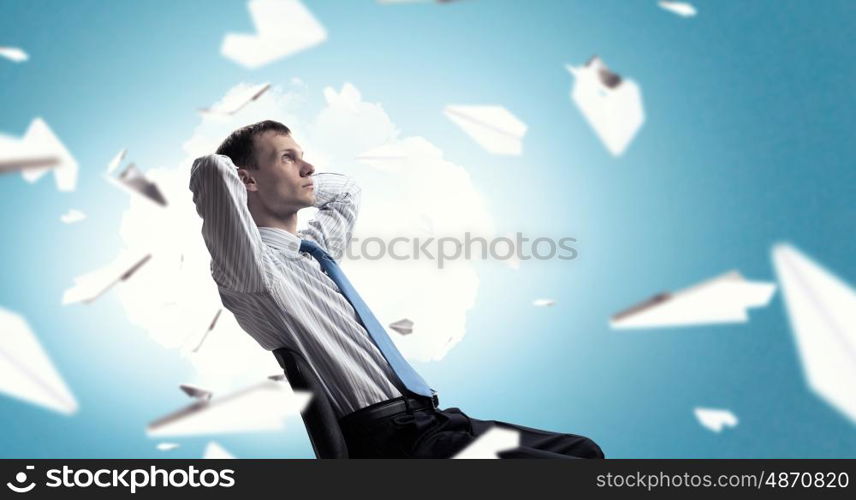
<point>408,376</point>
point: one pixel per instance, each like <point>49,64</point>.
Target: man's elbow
<point>212,161</point>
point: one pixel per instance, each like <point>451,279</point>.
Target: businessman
<point>286,290</point>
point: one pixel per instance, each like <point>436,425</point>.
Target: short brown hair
<point>239,145</point>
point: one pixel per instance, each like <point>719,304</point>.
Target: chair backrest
<point>321,422</point>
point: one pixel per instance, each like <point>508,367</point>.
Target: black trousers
<point>435,433</point>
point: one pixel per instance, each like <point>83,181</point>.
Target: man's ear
<point>248,180</point>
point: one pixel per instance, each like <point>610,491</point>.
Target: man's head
<point>270,163</point>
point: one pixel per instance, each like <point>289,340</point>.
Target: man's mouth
<point>309,185</point>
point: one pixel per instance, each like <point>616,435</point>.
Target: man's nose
<point>307,169</point>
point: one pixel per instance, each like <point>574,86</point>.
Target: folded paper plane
<point>543,302</point>
<point>213,451</point>
<point>491,443</point>
<point>72,216</point>
<point>26,371</point>
<point>15,156</point>
<point>416,1</point>
<point>36,153</point>
<point>283,27</point>
<point>13,54</point>
<point>208,331</point>
<point>134,181</point>
<point>116,161</point>
<point>195,392</point>
<point>822,312</point>
<point>236,100</point>
<point>724,299</point>
<point>92,285</point>
<point>402,326</point>
<point>260,407</point>
<point>389,157</point>
<point>715,419</point>
<point>682,9</point>
<point>494,128</point>
<point>611,105</point>
<point>425,224</point>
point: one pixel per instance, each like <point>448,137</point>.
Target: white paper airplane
<point>715,419</point>
<point>116,161</point>
<point>494,128</point>
<point>611,105</point>
<point>36,153</point>
<point>216,452</point>
<point>261,407</point>
<point>14,54</point>
<point>402,326</point>
<point>196,392</point>
<point>822,312</point>
<point>543,302</point>
<point>134,181</point>
<point>724,299</point>
<point>235,101</point>
<point>394,156</point>
<point>513,260</point>
<point>72,216</point>
<point>389,157</point>
<point>415,1</point>
<point>682,9</point>
<point>425,223</point>
<point>491,443</point>
<point>26,371</point>
<point>283,27</point>
<point>208,331</point>
<point>92,285</point>
<point>167,446</point>
<point>16,156</point>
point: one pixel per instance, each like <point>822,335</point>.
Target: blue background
<point>748,141</point>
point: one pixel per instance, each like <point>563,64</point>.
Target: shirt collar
<point>281,240</point>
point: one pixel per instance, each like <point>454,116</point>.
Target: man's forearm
<point>333,187</point>
<point>337,197</point>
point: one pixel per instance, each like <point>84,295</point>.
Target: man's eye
<point>288,157</point>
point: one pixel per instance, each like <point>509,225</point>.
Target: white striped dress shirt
<point>279,295</point>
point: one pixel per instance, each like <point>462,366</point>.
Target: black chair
<point>319,418</point>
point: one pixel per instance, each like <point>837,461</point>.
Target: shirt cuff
<point>331,186</point>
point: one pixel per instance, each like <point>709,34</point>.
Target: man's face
<point>282,184</point>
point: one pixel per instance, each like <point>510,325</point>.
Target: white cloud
<point>347,126</point>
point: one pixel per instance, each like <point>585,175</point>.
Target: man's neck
<point>288,223</point>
